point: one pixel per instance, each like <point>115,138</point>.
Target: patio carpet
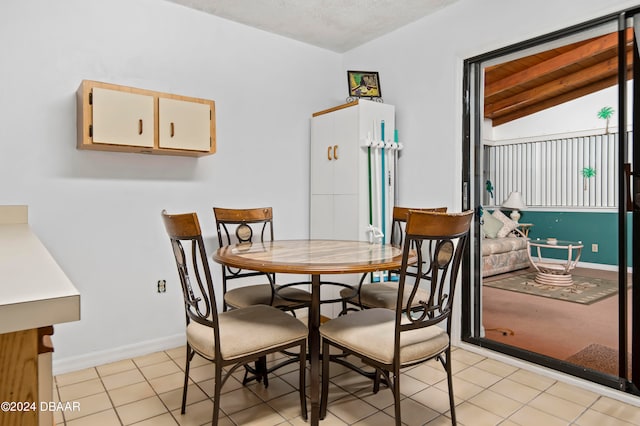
<point>585,290</point>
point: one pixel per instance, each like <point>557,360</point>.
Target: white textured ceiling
<point>337,25</point>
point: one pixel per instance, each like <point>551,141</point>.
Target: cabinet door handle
<point>172,131</point>
<point>329,153</point>
<point>335,152</point>
<point>140,126</point>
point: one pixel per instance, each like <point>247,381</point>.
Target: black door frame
<point>471,297</point>
<point>632,187</point>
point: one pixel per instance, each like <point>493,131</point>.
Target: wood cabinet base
<point>25,377</point>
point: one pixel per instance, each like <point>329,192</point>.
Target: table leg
<point>314,349</point>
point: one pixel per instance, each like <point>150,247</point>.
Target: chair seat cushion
<point>371,333</point>
<point>383,295</point>
<point>245,331</point>
<point>260,294</point>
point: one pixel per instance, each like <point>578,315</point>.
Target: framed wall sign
<point>364,84</point>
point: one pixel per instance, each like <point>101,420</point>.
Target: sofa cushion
<point>502,245</point>
<point>500,263</point>
<point>491,226</point>
<point>508,224</point>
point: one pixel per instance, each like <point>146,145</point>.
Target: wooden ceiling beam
<point>565,97</point>
<point>597,46</point>
<point>566,83</point>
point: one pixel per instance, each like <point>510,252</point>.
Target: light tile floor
<point>148,390</point>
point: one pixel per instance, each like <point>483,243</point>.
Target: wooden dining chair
<point>413,332</point>
<point>243,288</point>
<point>252,225</point>
<point>232,338</point>
<point>383,294</point>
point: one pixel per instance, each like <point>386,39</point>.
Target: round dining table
<point>316,258</point>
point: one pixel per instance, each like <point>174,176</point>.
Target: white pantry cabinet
<point>339,167</point>
<point>120,118</point>
<point>339,181</point>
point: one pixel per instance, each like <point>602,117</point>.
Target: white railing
<point>551,173</point>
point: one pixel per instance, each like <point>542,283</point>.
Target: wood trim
<point>336,108</point>
<point>566,97</point>
<point>529,84</point>
<point>242,215</point>
<point>19,375</point>
<point>608,68</point>
<point>601,44</point>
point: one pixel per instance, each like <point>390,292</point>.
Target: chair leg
<point>258,372</point>
<point>190,354</point>
<point>376,381</point>
<point>303,379</point>
<point>447,367</point>
<point>395,388</point>
<point>217,386</point>
<point>324,394</point>
<point>261,367</point>
<point>344,308</point>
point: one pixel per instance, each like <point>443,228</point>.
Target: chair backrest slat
<point>228,222</point>
<point>243,225</point>
<point>193,269</point>
<point>400,215</point>
<point>446,234</point>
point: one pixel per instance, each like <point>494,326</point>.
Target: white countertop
<point>34,291</point>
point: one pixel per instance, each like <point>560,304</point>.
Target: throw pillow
<point>508,224</point>
<point>491,226</point>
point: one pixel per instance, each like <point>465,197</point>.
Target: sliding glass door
<point>550,156</point>
<point>629,360</point>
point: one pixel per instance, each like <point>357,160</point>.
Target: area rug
<point>584,290</point>
<point>598,357</point>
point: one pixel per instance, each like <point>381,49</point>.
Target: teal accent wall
<point>589,227</point>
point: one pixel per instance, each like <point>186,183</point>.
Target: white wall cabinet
<point>120,118</point>
<point>339,181</point>
<point>334,152</point>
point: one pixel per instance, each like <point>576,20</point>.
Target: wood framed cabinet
<point>339,181</point>
<point>128,119</point>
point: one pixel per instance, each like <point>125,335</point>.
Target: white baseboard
<point>93,359</point>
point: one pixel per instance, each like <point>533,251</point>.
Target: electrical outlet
<point>594,248</point>
<point>162,286</point>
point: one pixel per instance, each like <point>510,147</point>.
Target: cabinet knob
<point>335,152</point>
<point>172,129</point>
<point>329,153</point>
<point>140,126</point>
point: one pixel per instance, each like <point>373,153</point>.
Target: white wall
<point>420,69</point>
<point>99,213</point>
